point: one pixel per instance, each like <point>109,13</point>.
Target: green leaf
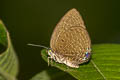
<point>103,65</point>
<point>41,76</point>
<point>52,74</point>
<point>8,59</point>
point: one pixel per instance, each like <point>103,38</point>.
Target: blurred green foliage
<point>8,59</point>
<point>32,21</point>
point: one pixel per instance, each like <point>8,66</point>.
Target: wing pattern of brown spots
<point>70,38</point>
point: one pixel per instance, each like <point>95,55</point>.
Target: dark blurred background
<point>32,21</point>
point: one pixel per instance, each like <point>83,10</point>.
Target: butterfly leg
<point>49,60</point>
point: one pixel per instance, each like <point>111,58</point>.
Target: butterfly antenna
<point>98,69</point>
<point>38,45</point>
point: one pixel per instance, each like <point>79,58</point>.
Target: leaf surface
<point>8,58</point>
<point>103,65</point>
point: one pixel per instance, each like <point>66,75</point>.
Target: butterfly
<point>70,43</point>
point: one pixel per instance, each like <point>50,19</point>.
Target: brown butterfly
<point>70,42</point>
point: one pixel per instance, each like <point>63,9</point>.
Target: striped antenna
<point>38,45</point>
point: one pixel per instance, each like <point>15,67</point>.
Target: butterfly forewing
<point>70,38</point>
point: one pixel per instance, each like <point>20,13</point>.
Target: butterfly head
<point>51,54</point>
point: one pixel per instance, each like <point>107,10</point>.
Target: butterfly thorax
<point>54,56</point>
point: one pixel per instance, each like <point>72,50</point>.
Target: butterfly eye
<point>49,52</point>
